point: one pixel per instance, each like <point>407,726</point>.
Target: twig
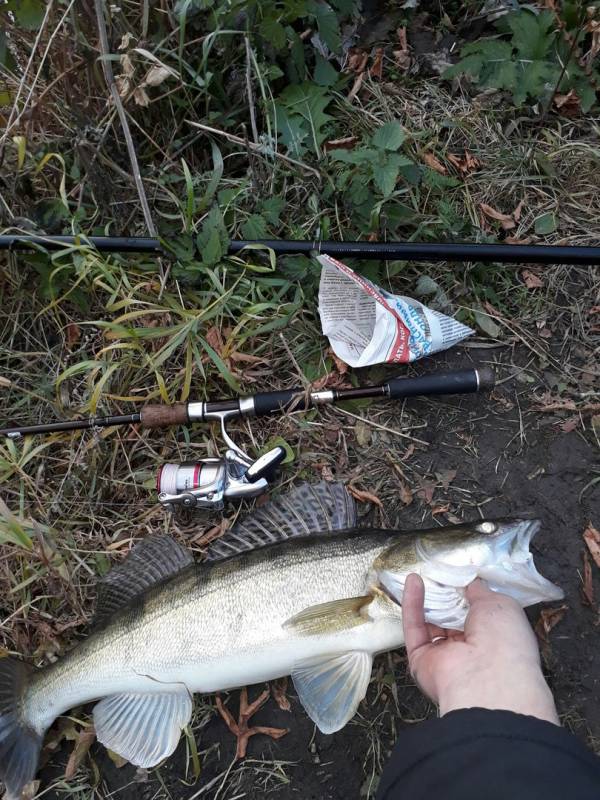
<point>249,90</point>
<point>257,148</point>
<point>110,80</point>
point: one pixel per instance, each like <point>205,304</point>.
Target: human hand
<point>494,663</point>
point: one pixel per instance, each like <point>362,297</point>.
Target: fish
<point>296,588</point>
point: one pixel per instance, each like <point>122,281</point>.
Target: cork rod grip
<point>164,416</point>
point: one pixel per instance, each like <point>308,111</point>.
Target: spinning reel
<point>208,483</point>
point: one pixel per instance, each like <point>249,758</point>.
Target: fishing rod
<point>378,251</point>
<point>211,481</point>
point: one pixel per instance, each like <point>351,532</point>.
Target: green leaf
<point>385,177</point>
<point>545,224</point>
<point>300,115</point>
<point>212,241</point>
<point>273,32</point>
<point>533,34</point>
<point>255,227</point>
<point>327,23</point>
<point>535,79</point>
<point>271,209</point>
<point>389,137</point>
<point>325,74</point>
<point>29,13</point>
<point>353,156</point>
<point>486,322</point>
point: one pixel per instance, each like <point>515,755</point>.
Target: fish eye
<point>487,527</point>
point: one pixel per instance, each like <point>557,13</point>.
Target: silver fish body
<point>318,607</point>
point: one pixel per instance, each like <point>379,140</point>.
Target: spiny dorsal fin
<point>151,561</point>
<point>307,510</point>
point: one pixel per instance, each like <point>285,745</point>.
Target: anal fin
<point>330,687</point>
<point>143,727</point>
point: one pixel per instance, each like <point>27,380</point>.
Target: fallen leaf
<point>531,280</point>
<point>440,509</point>
<point>505,220</point>
<point>408,452</point>
<point>402,54</point>
<point>568,104</point>
<point>204,538</point>
<point>140,97</point>
<point>364,497</point>
<point>346,143</point>
<point>279,690</point>
<point>465,165</point>
<point>215,339</point>
<point>516,240</point>
<point>340,365</point>
<point>157,75</point>
<point>355,87</point>
<point>426,492</point>
<point>127,65</point>
<point>357,60</point>
<point>434,163</point>
<point>569,425</point>
<point>405,493</point>
<point>72,334</point>
<point>376,70</point>
<point>123,85</point>
<point>446,476</point>
<point>85,739</point>
<point>549,618</point>
<point>125,39</point>
<point>592,538</point>
<point>587,588</point>
<point>363,433</point>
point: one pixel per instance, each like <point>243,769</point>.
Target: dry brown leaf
<point>279,691</point>
<point>531,280</point>
<point>426,492</point>
<point>85,739</point>
<point>517,240</point>
<point>440,509</point>
<point>592,538</point>
<point>405,493</point>
<point>587,588</point>
<point>364,497</point>
<point>346,143</point>
<point>402,54</point>
<point>465,165</point>
<point>72,334</point>
<point>125,39</point>
<point>214,337</point>
<point>568,104</point>
<point>446,476</point>
<point>549,618</point>
<point>140,97</point>
<point>516,214</point>
<point>505,220</point>
<point>157,75</point>
<point>569,425</point>
<point>357,60</point>
<point>376,70</point>
<point>355,87</point>
<point>127,65</point>
<point>434,163</point>
<point>340,365</point>
<point>123,85</point>
<point>203,539</point>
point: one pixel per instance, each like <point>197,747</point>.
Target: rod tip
<point>487,378</point>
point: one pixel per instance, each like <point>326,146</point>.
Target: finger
<point>477,590</point>
<point>413,615</point>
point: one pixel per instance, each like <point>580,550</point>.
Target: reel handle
<point>264,465</point>
<point>459,381</point>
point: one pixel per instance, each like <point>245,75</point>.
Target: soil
<point>508,459</point>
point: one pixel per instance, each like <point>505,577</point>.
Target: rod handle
<point>459,381</point>
<point>157,416</point>
<point>283,400</point>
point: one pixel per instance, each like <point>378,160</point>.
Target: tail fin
<point>19,744</point>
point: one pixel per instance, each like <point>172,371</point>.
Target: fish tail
<point>20,743</point>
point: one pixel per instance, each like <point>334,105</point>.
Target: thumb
<point>413,615</point>
<point>478,590</point>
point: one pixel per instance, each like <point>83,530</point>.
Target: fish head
<point>448,559</point>
<point>497,551</point>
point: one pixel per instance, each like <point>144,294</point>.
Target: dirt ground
<point>518,460</point>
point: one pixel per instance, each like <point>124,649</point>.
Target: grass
<point>86,333</point>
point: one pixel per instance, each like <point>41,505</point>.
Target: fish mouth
<point>512,570</point>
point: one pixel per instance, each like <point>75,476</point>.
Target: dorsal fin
<point>151,561</point>
<point>309,509</point>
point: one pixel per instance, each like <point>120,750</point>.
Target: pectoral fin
<point>144,728</point>
<point>331,617</point>
<point>330,687</point>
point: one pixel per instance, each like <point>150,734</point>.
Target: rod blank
<point>377,251</point>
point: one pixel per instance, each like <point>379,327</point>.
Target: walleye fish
<point>295,588</point>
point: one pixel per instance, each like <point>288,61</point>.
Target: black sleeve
<point>476,754</point>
